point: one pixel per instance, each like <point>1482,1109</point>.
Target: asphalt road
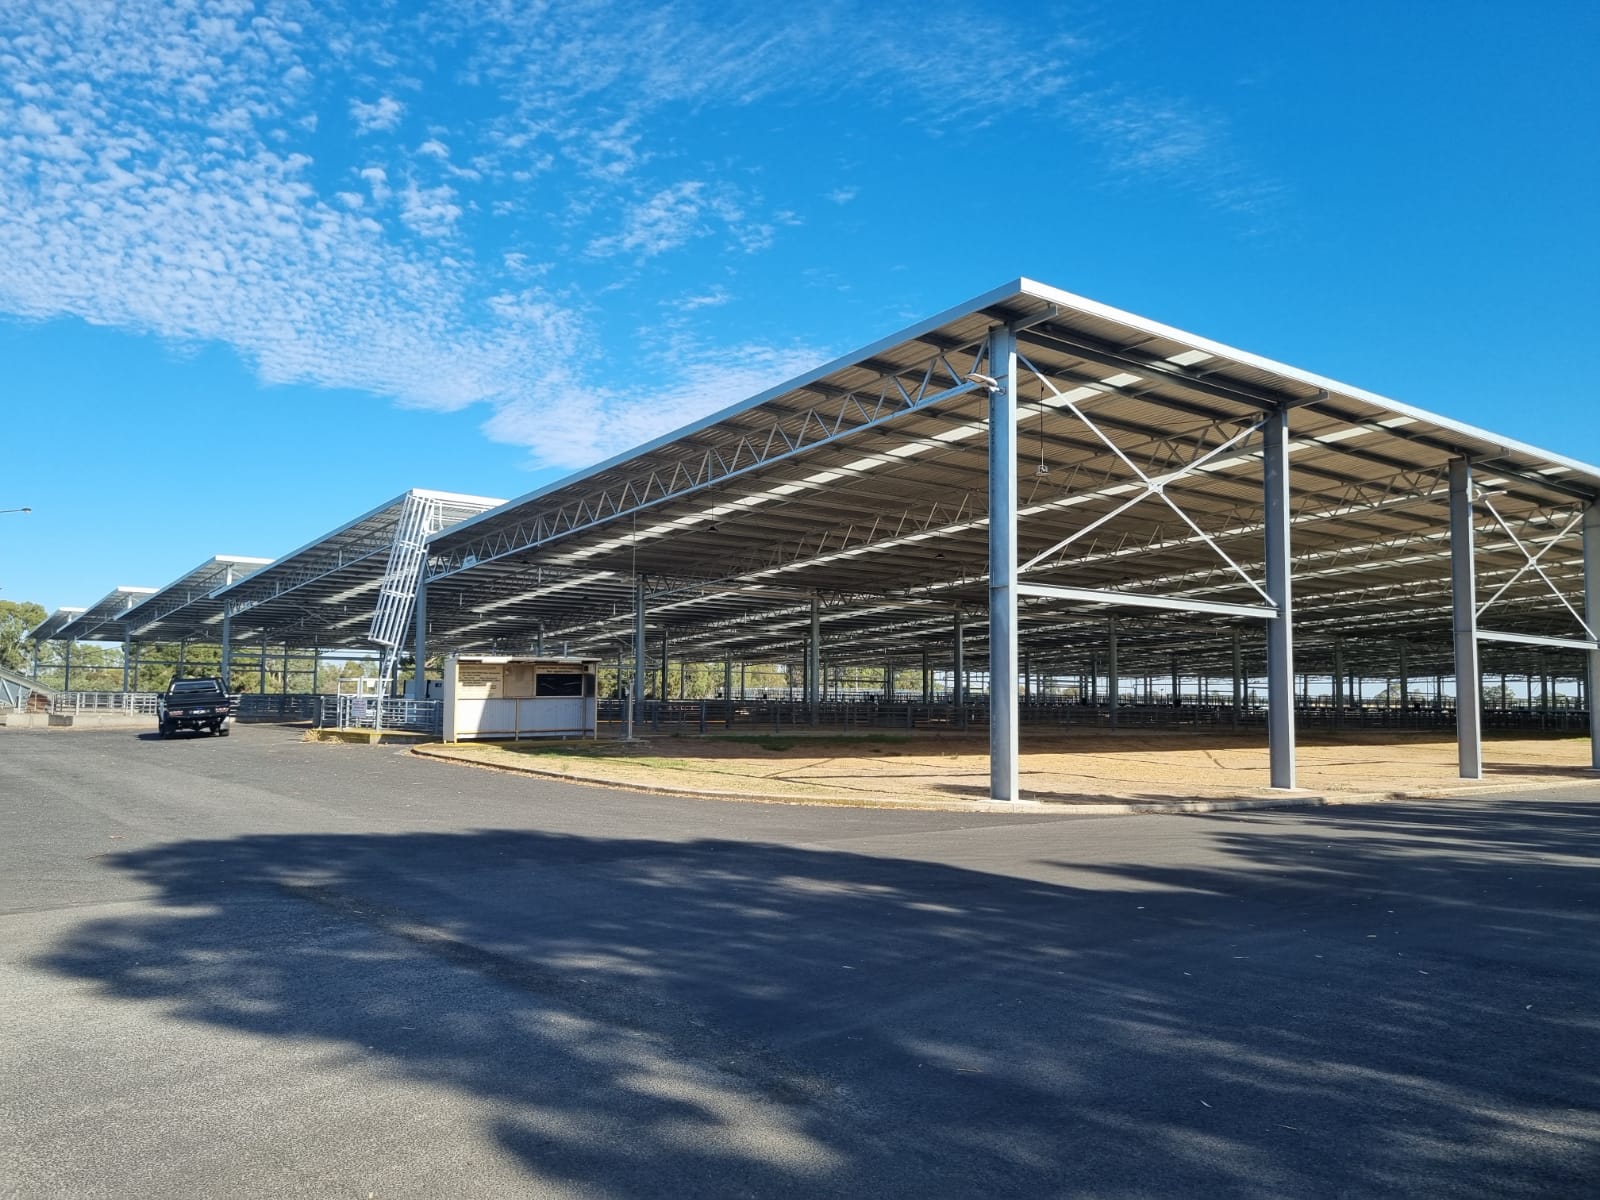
<point>261,967</point>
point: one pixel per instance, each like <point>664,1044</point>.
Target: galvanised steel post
<point>1591,608</point>
<point>635,706</point>
<point>727,693</point>
<point>814,663</point>
<point>1280,628</point>
<point>1004,715</point>
<point>1405,681</point>
<point>1338,683</point>
<point>418,642</point>
<point>1113,678</point>
<point>227,650</point>
<point>1238,675</point>
<point>1464,606</point>
<point>958,669</point>
<point>126,650</point>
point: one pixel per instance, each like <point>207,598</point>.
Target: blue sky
<point>316,257</point>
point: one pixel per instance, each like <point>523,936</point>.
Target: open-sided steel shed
<point>1035,474</point>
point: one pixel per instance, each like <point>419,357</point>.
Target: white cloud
<point>568,425</point>
<point>156,174</point>
<point>382,114</point>
<point>431,212</point>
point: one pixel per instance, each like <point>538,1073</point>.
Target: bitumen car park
<point>263,966</point>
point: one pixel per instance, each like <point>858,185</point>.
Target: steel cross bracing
<point>793,434</point>
<point>1532,562</point>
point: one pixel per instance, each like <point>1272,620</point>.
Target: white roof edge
<point>459,497</point>
<point>1043,291</point>
<point>976,304</point>
<point>241,558</point>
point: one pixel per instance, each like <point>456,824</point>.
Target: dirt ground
<point>1081,769</point>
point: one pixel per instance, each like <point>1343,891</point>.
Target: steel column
<point>636,701</point>
<point>727,693</point>
<point>664,685</point>
<point>1591,609</point>
<point>1338,683</point>
<point>227,651</point>
<point>1113,678</point>
<point>419,641</point>
<point>958,668</point>
<point>1004,714</point>
<point>1405,677</point>
<point>1280,581</point>
<point>1238,676</point>
<point>1464,604</point>
<point>814,664</point>
<point>126,649</point>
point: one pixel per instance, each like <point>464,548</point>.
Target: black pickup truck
<point>195,704</point>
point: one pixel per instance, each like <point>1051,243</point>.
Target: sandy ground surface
<point>1074,769</point>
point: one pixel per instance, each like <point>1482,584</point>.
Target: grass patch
<point>777,741</point>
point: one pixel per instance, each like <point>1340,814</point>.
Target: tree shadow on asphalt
<point>1359,1002</point>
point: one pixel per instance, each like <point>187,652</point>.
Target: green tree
<point>16,618</point>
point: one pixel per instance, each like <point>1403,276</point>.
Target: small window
<point>565,684</point>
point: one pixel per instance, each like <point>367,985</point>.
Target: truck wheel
<point>162,731</point>
<point>222,731</point>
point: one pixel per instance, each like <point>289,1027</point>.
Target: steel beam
<point>1577,645</point>
<point>1049,591</point>
<point>1280,632</point>
<point>1003,712</point>
<point>1463,590</point>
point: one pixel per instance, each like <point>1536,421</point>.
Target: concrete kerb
<point>1297,799</point>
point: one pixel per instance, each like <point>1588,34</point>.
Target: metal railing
<point>108,703</point>
<point>368,712</point>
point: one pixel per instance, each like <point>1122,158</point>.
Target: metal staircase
<point>391,620</point>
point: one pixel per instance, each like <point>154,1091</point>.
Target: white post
<point>1591,607</point>
<point>1463,585</point>
<point>1280,629</point>
<point>1003,711</point>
